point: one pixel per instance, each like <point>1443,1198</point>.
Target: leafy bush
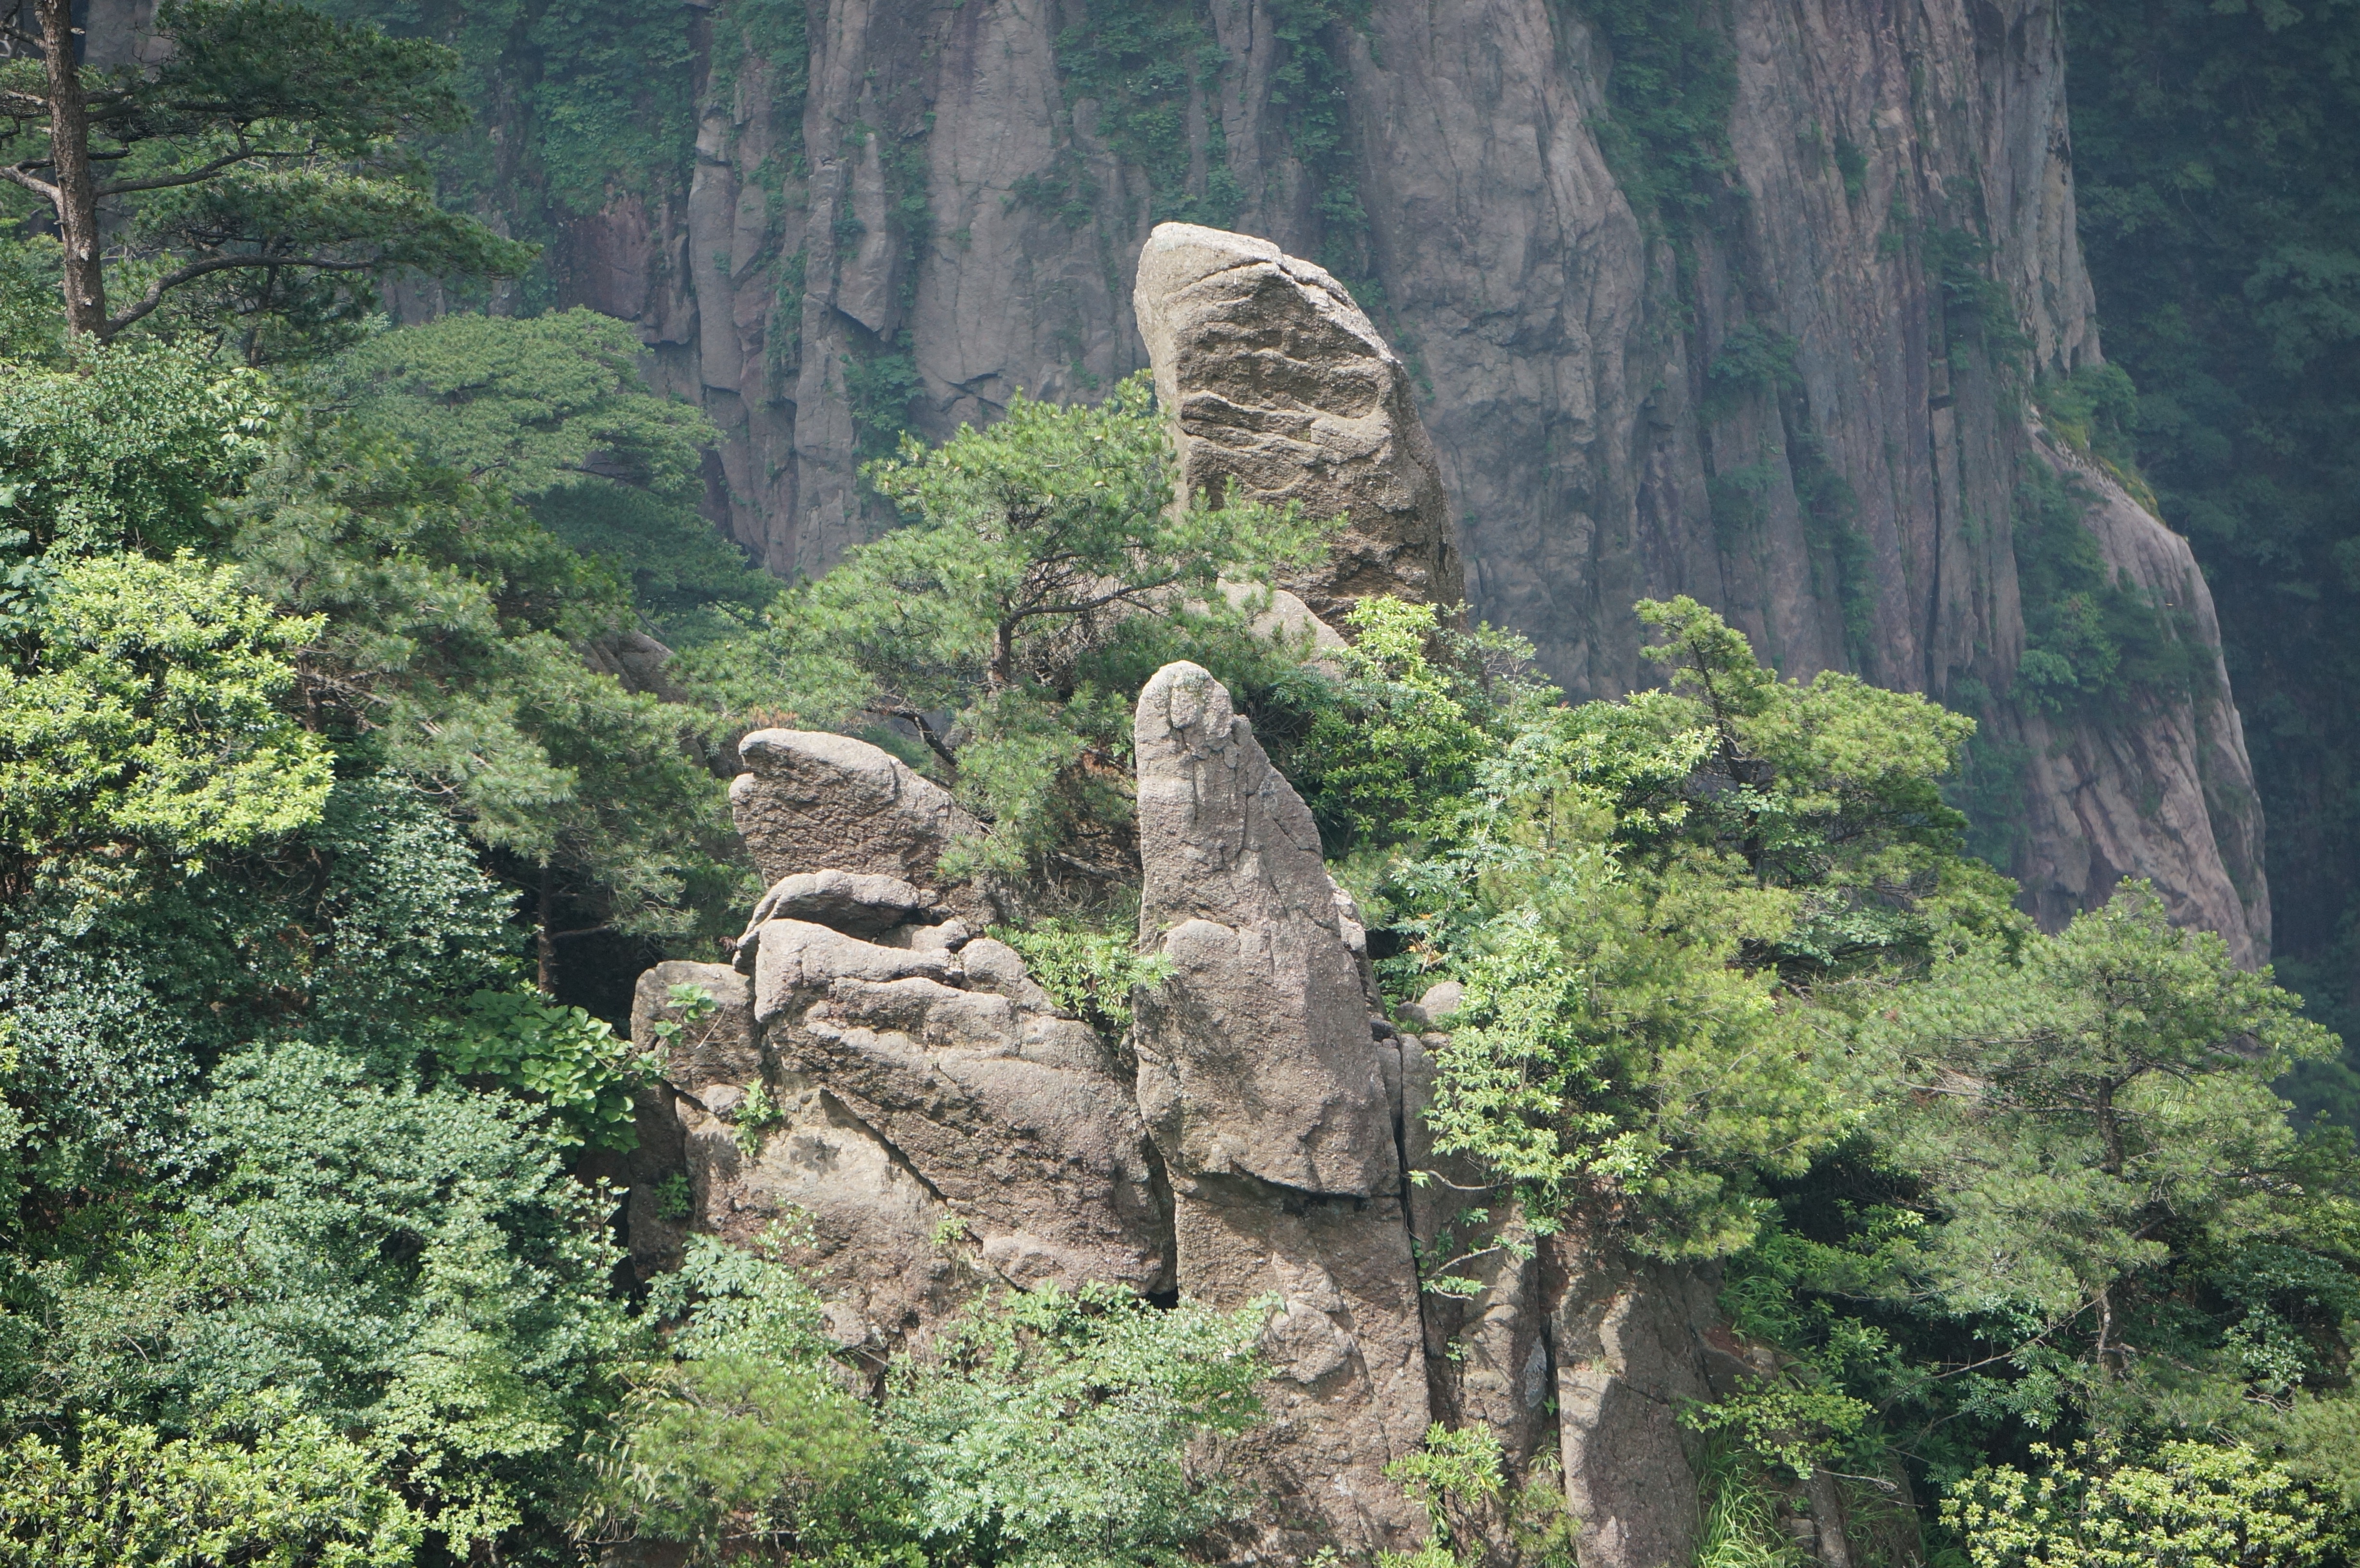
<point>1630,894</point>
<point>730,1438</point>
<point>128,447</point>
<point>1039,1428</point>
<point>150,717</point>
<point>1090,973</point>
<point>1390,754</point>
<point>300,1495</point>
<point>560,1056</point>
<point>2193,1505</point>
<point>2090,636</point>
<point>1052,1428</point>
<point>2095,408</point>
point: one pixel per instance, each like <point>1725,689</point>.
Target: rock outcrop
<point>810,801</point>
<point>889,1093</point>
<point>906,1106</point>
<point>1280,390</point>
<point>1256,1061</point>
<point>1273,1100</point>
<point>903,1106</point>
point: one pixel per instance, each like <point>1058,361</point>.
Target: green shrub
<point>1089,974</point>
<point>2193,1505</point>
<point>1039,1428</point>
<point>559,1056</point>
<point>1390,754</point>
<point>2090,636</point>
<point>302,1496</point>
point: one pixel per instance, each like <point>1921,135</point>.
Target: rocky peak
<point>1279,389</point>
<point>1800,408</point>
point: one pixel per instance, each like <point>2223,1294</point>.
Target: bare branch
<point>1439,1178</point>
<point>13,173</point>
<point>167,182</point>
<point>1441,1268</point>
<point>925,733</point>
<point>1101,602</point>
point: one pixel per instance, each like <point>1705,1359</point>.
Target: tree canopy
<point>1042,572</point>
<point>261,168</point>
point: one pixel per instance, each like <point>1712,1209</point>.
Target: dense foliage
<point>1733,989</point>
<point>2214,154</point>
<point>342,768</point>
<point>1040,1429</point>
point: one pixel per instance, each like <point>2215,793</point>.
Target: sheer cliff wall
<point>1783,370</point>
<point>1742,301</point>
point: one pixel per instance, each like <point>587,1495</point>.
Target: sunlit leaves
<point>150,715</point>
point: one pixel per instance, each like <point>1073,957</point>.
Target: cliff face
<point>1780,370</point>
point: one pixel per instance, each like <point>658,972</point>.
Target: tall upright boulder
<point>1274,1098</point>
<point>1279,389</point>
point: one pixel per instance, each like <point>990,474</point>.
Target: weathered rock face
<point>1808,423</point>
<point>1280,390</point>
<point>1256,1061</point>
<point>895,1091</point>
<point>1800,424</point>
<point>1632,1345</point>
<point>2161,788</point>
<point>856,904</point>
<point>1014,1120</point>
<point>1275,1107</point>
<point>811,802</point>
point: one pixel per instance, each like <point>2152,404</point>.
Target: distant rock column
<point>1280,388</point>
<point>1275,1107</point>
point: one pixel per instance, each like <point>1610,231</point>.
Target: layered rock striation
<point>882,1079</point>
<point>1280,390</point>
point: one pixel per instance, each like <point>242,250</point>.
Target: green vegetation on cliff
<point>2217,166</point>
<point>324,798</point>
<point>1734,990</point>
